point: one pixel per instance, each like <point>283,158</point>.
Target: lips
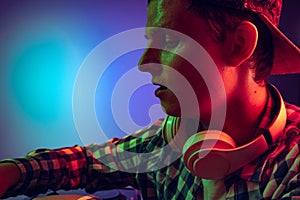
<point>160,86</point>
<point>160,89</point>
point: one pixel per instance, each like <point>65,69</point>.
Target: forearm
<point>49,169</point>
<point>10,175</point>
<point>94,167</point>
<point>67,168</point>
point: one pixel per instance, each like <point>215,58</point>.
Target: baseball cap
<point>286,53</point>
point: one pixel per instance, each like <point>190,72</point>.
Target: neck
<point>245,103</point>
<point>245,106</point>
<point>244,113</point>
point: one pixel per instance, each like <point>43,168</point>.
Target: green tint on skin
<point>167,57</point>
<point>159,12</point>
<point>172,15</point>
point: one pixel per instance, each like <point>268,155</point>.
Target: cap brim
<point>286,53</point>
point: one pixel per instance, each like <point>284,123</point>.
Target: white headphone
<point>213,154</point>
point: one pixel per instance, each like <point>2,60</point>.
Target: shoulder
<point>293,114</point>
<point>147,132</point>
<point>292,128</point>
<point>141,139</point>
<point>280,175</point>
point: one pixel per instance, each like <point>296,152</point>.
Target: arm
<point>94,167</point>
<point>10,175</point>
<point>47,169</point>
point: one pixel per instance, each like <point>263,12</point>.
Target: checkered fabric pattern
<point>273,175</point>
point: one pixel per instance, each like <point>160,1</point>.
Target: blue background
<point>42,46</point>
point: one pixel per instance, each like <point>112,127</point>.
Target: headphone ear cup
<point>201,160</point>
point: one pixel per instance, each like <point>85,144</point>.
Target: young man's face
<point>175,95</point>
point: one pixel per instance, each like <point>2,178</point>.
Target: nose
<point>150,61</point>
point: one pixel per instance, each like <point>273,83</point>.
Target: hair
<point>222,20</point>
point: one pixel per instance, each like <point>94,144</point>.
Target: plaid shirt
<point>273,175</point>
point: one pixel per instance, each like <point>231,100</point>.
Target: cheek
<point>190,74</point>
<point>198,88</point>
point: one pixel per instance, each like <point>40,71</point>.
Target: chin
<point>171,109</point>
<point>175,111</point>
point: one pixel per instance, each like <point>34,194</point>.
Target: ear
<point>241,43</point>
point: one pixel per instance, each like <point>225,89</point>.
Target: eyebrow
<point>152,30</point>
<point>145,36</point>
<point>164,24</point>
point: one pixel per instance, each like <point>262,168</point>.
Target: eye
<point>146,37</point>
<point>171,42</point>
